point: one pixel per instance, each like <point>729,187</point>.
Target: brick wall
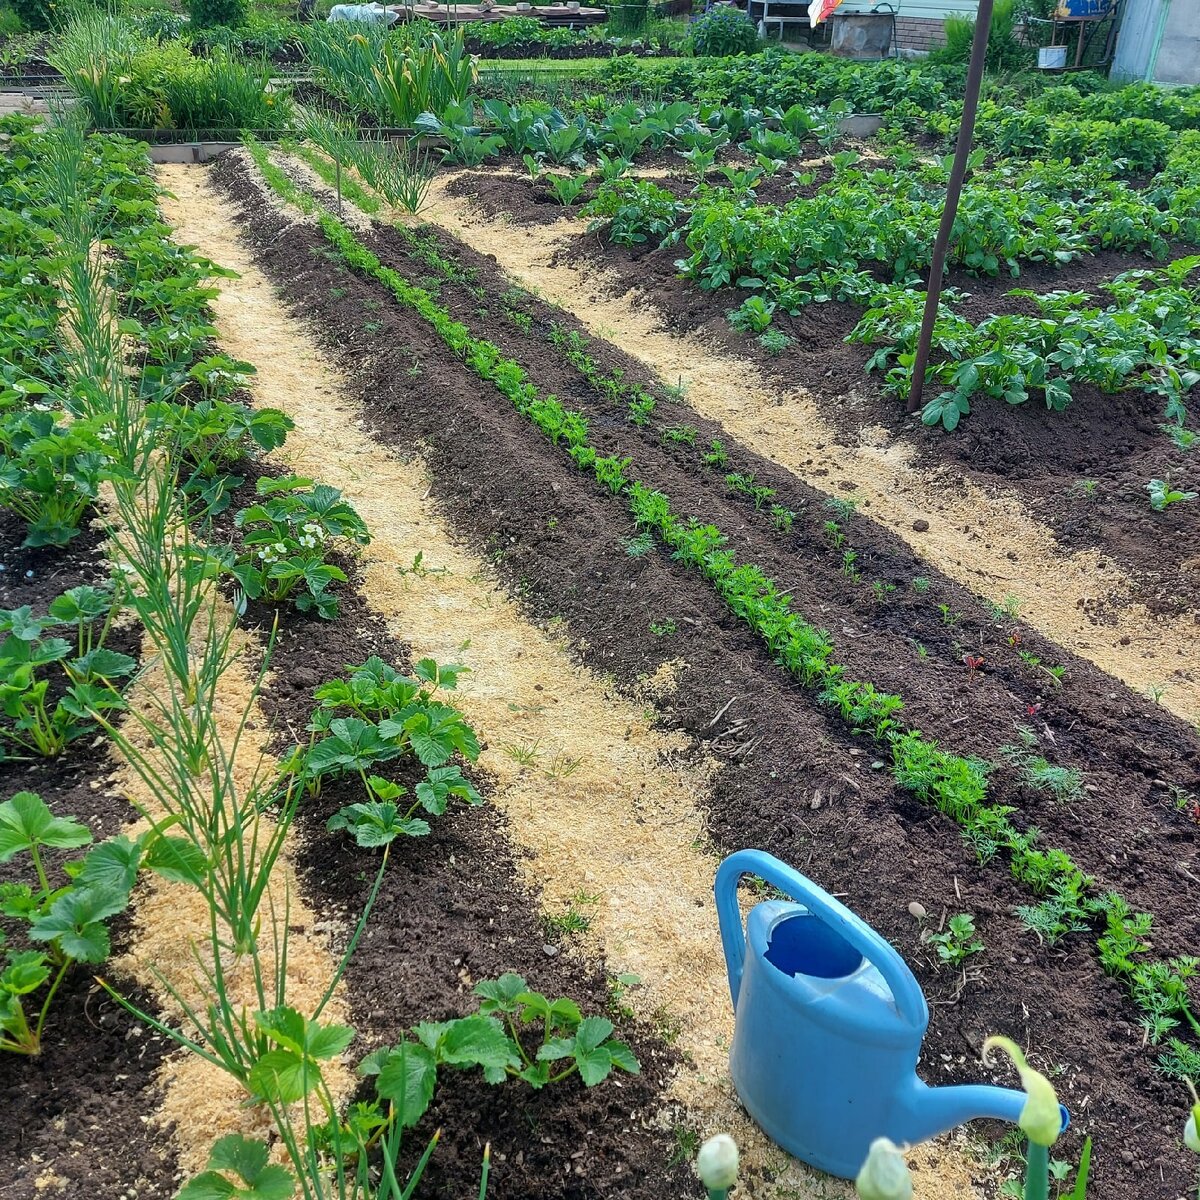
<point>919,33</point>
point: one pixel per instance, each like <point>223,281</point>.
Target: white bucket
<point>1052,58</point>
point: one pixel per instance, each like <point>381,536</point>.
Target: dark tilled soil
<point>75,1116</point>
<point>452,911</point>
<point>798,784</point>
<point>1083,722</point>
<point>1113,440</point>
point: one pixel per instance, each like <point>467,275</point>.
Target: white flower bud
<point>884,1176</point>
<point>717,1163</point>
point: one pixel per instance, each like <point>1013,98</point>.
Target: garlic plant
<point>884,1176</point>
<point>717,1165</point>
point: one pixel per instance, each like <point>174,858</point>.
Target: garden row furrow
<point>305,291</point>
<point>837,564</point>
<point>983,535</point>
<point>931,773</point>
<point>1117,336</point>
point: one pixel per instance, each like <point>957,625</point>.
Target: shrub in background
<point>627,16</point>
<point>1004,52</point>
<point>721,32</point>
<point>205,13</point>
<point>33,14</point>
<point>124,80</point>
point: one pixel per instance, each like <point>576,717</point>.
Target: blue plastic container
<point>1083,8</point>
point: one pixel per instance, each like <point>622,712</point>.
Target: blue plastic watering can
<point>829,1026</point>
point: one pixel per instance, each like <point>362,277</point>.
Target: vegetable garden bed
<point>96,1103</point>
<point>401,618</point>
<point>547,541</point>
<point>1083,470</point>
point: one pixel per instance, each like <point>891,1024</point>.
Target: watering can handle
<point>910,1001</point>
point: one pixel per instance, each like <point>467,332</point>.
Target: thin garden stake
<point>962,150</point>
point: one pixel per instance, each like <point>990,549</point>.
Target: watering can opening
<point>803,945</point>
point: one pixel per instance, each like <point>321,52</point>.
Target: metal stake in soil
<point>958,171</point>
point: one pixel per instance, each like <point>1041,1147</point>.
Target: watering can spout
<point>934,1110</point>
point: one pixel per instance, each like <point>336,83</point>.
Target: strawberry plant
<point>390,717</point>
<point>82,608</point>
<point>286,540</point>
<point>70,918</point>
<point>214,435</point>
<point>36,722</point>
<point>238,1170</point>
<point>517,1034</point>
<point>379,821</point>
<point>50,466</point>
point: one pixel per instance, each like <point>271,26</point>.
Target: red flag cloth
<point>818,10</point>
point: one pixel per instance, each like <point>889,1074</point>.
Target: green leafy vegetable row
<point>1148,338</point>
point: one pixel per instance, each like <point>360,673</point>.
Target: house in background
<point>1157,40</point>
